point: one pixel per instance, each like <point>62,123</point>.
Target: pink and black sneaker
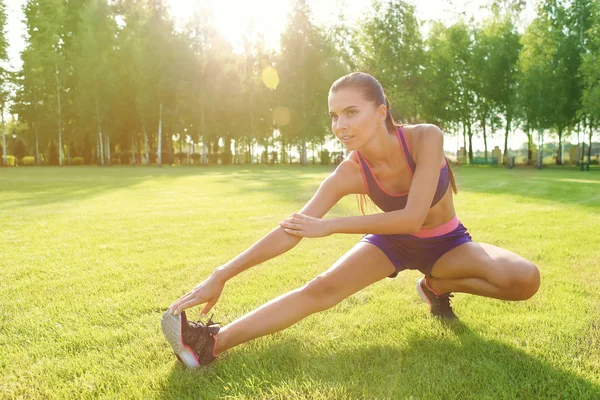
<point>439,305</point>
<point>194,343</point>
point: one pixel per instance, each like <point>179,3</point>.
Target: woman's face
<point>354,119</point>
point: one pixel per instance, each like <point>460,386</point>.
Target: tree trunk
<point>4,160</point>
<point>69,152</point>
<point>465,141</point>
<point>203,135</point>
<point>59,118</point>
<point>508,123</point>
<point>251,135</point>
<point>540,148</point>
<point>581,147</point>
<point>529,145</point>
<point>485,148</point>
<point>37,146</point>
<point>100,147</point>
<point>559,156</point>
<point>159,147</point>
<point>133,151</point>
<point>589,158</point>
<point>470,134</point>
<point>146,142</point>
<point>107,149</point>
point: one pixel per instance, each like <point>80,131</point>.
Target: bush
<point>181,157</point>
<point>77,161</point>
<point>325,157</point>
<point>115,160</point>
<point>197,158</point>
<point>11,161</point>
<point>28,160</point>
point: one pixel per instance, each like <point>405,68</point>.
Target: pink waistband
<point>440,230</point>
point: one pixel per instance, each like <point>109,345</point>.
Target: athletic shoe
<point>438,305</point>
<point>193,343</point>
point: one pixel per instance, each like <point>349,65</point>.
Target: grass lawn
<point>91,257</point>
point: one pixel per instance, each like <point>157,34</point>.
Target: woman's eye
<point>333,117</point>
<point>351,113</point>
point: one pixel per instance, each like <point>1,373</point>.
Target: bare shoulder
<point>420,135</point>
<point>347,177</point>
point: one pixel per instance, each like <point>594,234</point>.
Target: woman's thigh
<point>496,265</point>
<point>361,266</point>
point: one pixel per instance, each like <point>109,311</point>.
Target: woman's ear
<point>381,112</point>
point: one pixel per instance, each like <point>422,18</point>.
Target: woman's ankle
<point>220,343</point>
<point>437,285</point>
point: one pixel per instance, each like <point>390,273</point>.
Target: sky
<point>231,17</point>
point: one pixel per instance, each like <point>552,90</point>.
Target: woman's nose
<point>340,123</point>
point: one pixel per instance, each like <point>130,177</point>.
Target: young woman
<point>404,171</point>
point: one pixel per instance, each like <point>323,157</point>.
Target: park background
<point>198,82</point>
<point>90,256</point>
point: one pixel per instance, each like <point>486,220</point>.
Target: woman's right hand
<point>207,292</point>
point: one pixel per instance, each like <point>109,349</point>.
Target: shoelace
<point>202,325</point>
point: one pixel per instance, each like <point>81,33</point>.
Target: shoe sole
<point>172,327</point>
<point>422,294</point>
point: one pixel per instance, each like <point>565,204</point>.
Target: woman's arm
<point>406,221</point>
<point>338,184</point>
<point>422,190</point>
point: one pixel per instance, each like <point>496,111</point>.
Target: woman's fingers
<point>183,298</point>
<point>184,301</point>
<point>186,304</point>
<point>294,232</point>
<point>290,225</point>
<point>208,307</point>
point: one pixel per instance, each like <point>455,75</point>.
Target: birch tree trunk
<point>37,146</point>
<point>59,118</point>
<point>485,147</point>
<point>100,147</point>
<point>107,149</point>
<point>508,123</point>
<point>203,143</point>
<point>146,142</point>
<point>4,160</point>
<point>159,149</point>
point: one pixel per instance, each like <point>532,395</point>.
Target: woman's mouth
<point>346,138</point>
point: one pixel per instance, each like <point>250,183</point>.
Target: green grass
<point>91,257</point>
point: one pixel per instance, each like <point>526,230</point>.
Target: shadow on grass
<point>36,186</point>
<point>462,365</point>
<point>564,185</point>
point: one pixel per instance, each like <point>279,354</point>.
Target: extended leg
<point>363,265</point>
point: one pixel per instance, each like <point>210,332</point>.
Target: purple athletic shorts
<point>422,250</point>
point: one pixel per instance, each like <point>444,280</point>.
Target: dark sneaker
<point>438,305</point>
<point>193,342</point>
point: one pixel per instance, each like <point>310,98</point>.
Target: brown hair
<point>373,91</point>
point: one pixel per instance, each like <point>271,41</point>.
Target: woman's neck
<point>382,149</point>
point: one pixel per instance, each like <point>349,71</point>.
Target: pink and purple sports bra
<point>387,201</point>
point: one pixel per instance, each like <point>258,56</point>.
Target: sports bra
<point>387,201</point>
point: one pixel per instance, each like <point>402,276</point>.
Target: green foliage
<point>116,65</point>
<point>325,157</point>
<point>9,160</point>
<point>28,160</point>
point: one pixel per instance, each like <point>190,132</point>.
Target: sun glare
<point>235,19</point>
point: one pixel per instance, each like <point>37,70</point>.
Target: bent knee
<point>526,282</point>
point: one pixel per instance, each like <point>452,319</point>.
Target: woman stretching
<point>403,170</point>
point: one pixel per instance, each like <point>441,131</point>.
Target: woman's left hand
<point>306,226</point>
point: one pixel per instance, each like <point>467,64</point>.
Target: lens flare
<point>270,77</point>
